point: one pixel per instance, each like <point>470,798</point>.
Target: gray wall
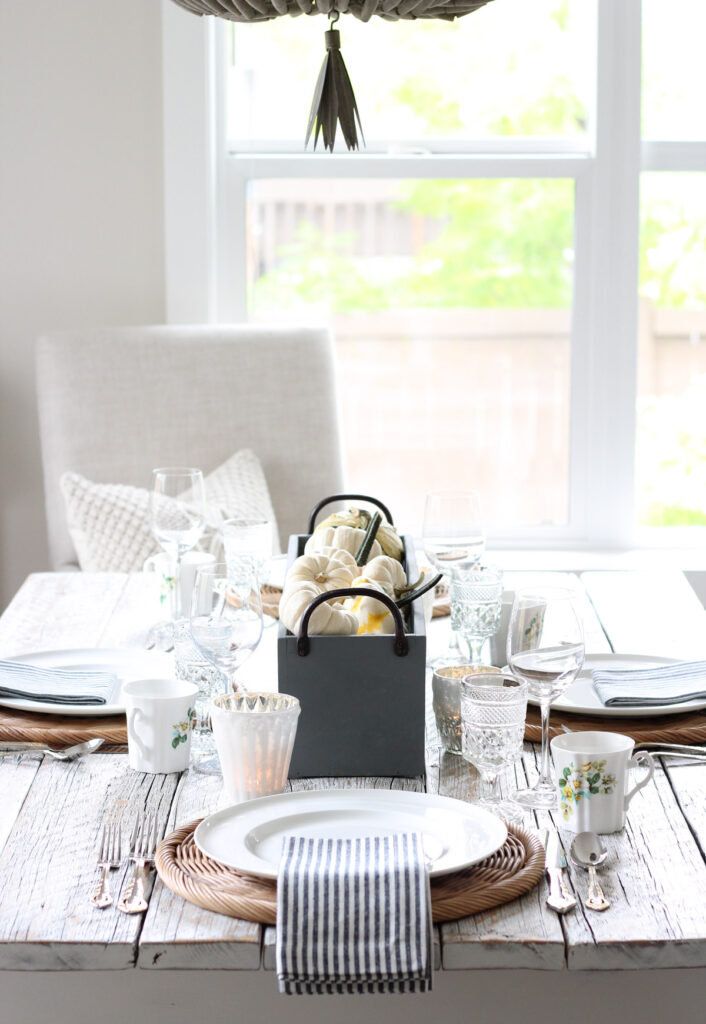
<point>81,212</point>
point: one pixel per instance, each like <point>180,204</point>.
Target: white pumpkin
<point>390,541</point>
<point>372,616</point>
<point>329,569</point>
<point>388,572</point>
<point>346,538</point>
<point>328,618</point>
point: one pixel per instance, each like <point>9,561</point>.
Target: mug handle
<point>133,713</point>
<point>641,760</point>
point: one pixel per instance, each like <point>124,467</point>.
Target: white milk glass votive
<point>254,734</point>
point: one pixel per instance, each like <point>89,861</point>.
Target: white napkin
<point>668,684</point>
<point>353,916</point>
<point>55,685</point>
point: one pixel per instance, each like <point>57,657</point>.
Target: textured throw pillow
<point>109,523</point>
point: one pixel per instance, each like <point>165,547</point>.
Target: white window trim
<point>205,203</point>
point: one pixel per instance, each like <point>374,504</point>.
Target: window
<point>479,261</point>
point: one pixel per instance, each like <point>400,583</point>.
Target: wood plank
<point>57,611</point>
<point>48,865</point>
<point>656,881</point>
<point>649,612</point>
<point>17,773</point>
<point>179,935</point>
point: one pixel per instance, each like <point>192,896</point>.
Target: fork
<point>109,856</point>
<point>143,843</point>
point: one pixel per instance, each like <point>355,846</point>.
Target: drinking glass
<point>247,544</point>
<point>192,667</point>
<point>545,649</point>
<point>493,712</point>
<point>177,516</point>
<point>476,605</point>
<point>226,626</point>
<point>454,540</point>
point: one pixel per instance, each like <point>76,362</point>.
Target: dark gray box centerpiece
<point>362,697</point>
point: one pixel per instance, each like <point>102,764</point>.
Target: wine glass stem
<point>545,775</point>
<point>232,684</point>
<point>490,789</point>
<point>176,587</point>
<point>476,646</point>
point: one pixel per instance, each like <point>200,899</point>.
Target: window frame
<point>205,238</point>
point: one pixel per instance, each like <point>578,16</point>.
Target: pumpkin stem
<point>414,594</point>
<point>366,544</point>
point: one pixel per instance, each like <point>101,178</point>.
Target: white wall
<point>81,212</point>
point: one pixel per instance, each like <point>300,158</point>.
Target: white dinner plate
<point>124,662</point>
<point>248,837</point>
<point>581,698</point>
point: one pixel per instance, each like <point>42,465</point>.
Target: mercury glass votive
<point>446,699</point>
<point>254,735</point>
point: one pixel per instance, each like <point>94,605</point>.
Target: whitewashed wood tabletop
<point>51,815</point>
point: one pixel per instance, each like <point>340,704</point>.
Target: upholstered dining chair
<point>115,403</point>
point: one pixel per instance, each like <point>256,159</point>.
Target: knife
<point>559,898</point>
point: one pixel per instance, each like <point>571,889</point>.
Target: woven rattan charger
<point>510,872</point>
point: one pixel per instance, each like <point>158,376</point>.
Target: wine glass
<point>476,605</point>
<point>493,712</point>
<point>545,649</point>
<point>454,540</point>
<point>177,516</point>
<point>247,544</point>
<point>226,627</point>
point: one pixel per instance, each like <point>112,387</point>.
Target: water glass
<point>476,606</point>
<point>254,735</point>
<point>454,541</point>
<point>192,667</point>
<point>545,649</point>
<point>493,712</point>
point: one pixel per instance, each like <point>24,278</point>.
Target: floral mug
<point>160,718</point>
<point>592,772</point>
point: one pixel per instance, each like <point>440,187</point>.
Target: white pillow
<point>109,523</point>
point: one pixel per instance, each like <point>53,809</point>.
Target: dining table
<point>63,959</point>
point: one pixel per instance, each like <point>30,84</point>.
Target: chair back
<point>115,403</point>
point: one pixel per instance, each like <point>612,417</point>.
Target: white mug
<point>160,718</point>
<point>592,772</point>
<point>191,562</point>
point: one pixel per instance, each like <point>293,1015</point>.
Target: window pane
<point>672,71</point>
<point>671,423</point>
<point>510,68</point>
<point>450,305</point>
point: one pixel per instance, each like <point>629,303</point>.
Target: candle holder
<point>446,699</point>
<point>254,735</point>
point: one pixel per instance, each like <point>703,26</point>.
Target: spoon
<point>588,851</point>
<point>67,754</point>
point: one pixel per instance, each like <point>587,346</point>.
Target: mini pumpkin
<point>329,618</point>
<point>346,538</point>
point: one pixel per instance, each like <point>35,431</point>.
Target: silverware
<point>559,898</point>
<point>673,750</point>
<point>67,754</point>
<point>109,856</point>
<point>143,843</point>
<point>588,851</point>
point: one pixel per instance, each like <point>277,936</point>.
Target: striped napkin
<point>668,684</point>
<point>55,685</point>
<point>353,916</point>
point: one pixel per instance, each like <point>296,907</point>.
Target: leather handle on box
<point>347,497</point>
<point>401,644</point>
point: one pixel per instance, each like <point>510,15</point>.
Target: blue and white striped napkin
<point>55,685</point>
<point>668,684</point>
<point>353,916</point>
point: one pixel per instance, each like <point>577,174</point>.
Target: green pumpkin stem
<point>366,544</point>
